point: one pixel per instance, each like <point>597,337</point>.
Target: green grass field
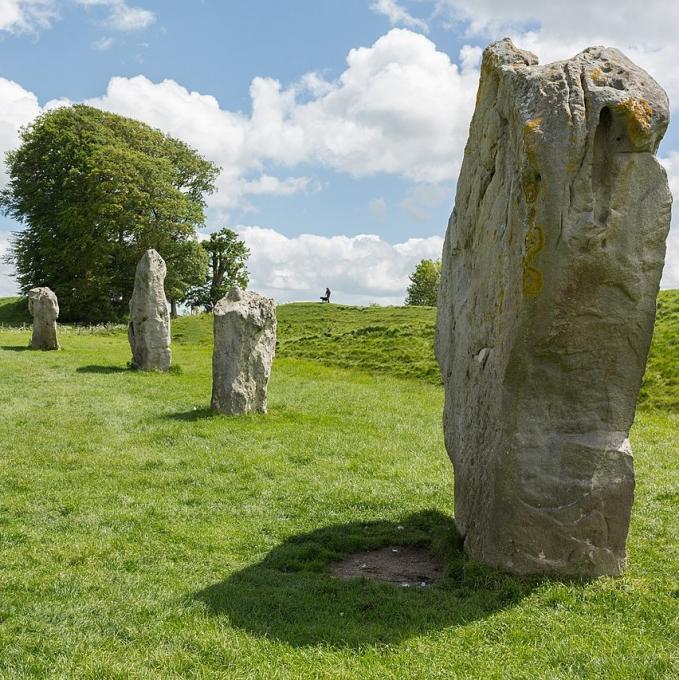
<point>141,537</point>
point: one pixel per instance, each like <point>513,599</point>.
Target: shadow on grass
<point>292,597</point>
<point>101,369</point>
<point>16,348</point>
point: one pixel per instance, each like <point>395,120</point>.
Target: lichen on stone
<point>639,114</point>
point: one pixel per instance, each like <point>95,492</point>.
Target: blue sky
<point>344,177</point>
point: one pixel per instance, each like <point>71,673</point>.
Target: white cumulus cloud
<point>646,32</point>
<point>400,107</point>
<point>18,107</point>
<point>26,16</point>
<point>358,269</point>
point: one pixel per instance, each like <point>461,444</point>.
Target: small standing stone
<point>244,347</point>
<point>44,308</point>
<point>149,327</point>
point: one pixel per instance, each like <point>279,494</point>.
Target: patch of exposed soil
<point>407,566</point>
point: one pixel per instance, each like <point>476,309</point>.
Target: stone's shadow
<point>17,348</point>
<point>101,369</point>
<point>191,416</point>
<point>291,596</point>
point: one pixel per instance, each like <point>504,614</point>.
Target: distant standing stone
<point>551,267</point>
<point>44,308</point>
<point>149,327</point>
<point>244,347</point>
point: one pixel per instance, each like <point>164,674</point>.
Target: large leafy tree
<point>227,257</point>
<point>187,266</point>
<point>424,283</point>
<point>95,190</point>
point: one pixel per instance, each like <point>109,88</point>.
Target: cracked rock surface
<point>244,348</point>
<point>551,267</point>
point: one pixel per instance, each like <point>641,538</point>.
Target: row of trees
<point>95,190</point>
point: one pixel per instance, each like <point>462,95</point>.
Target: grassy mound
<point>660,388</point>
<point>399,341</point>
<point>14,311</point>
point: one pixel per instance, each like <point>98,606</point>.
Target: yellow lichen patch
<point>639,118</point>
<point>501,301</point>
<point>533,125</point>
<point>532,132</point>
<point>597,76</point>
<point>534,241</point>
<point>532,281</point>
<point>530,191</point>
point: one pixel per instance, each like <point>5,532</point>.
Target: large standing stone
<point>149,327</point>
<point>244,347</point>
<point>44,308</point>
<point>551,268</point>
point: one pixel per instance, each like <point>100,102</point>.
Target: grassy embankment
<point>142,537</point>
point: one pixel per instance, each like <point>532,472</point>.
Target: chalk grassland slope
<point>399,340</point>
<point>393,340</point>
<point>14,311</point>
<point>661,381</point>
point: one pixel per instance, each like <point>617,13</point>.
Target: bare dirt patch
<point>407,566</point>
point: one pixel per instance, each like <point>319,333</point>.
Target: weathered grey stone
<point>44,308</point>
<point>551,268</point>
<point>244,347</point>
<point>149,327</point>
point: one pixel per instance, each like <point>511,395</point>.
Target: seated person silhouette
<point>326,297</point>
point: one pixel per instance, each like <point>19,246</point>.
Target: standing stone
<point>551,267</point>
<point>244,347</point>
<point>44,308</point>
<point>149,327</point>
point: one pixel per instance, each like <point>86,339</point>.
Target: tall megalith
<point>244,347</point>
<point>551,267</point>
<point>44,308</point>
<point>149,328</point>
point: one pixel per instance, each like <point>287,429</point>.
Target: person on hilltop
<point>326,297</point>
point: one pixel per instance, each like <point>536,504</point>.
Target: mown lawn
<point>141,537</point>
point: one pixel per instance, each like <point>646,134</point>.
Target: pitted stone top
<point>246,303</point>
<point>42,302</point>
<point>604,74</point>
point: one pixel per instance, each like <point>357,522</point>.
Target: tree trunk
<point>173,309</point>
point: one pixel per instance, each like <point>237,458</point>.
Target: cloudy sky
<point>339,124</point>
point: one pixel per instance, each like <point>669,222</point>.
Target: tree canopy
<point>95,190</point>
<point>424,283</point>
<point>227,258</point>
